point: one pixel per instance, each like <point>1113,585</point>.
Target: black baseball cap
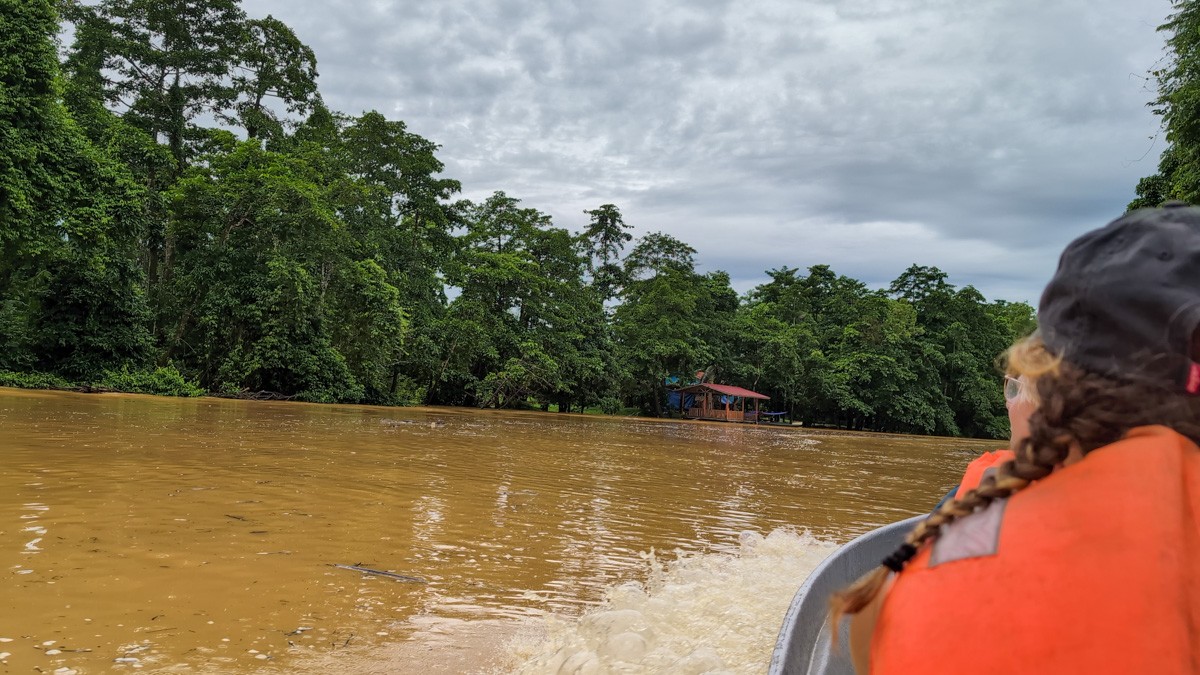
<point>1125,300</point>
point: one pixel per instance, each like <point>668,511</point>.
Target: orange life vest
<point>1093,569</point>
<point>976,469</point>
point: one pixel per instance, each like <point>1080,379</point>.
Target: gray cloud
<point>979,137</point>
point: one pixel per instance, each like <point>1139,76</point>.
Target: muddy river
<point>207,535</point>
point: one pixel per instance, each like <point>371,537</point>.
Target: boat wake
<point>702,613</point>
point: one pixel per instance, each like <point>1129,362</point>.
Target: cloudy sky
<point>977,136</point>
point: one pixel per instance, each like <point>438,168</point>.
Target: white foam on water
<point>709,613</point>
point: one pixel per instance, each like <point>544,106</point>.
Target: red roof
<point>726,389</point>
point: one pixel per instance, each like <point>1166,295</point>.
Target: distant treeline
<point>180,208</point>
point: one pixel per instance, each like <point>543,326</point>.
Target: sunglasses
<point>1012,388</point>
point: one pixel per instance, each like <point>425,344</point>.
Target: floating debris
<point>381,573</point>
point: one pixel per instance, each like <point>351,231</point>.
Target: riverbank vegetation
<point>183,213</point>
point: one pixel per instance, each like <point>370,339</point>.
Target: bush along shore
<point>165,381</point>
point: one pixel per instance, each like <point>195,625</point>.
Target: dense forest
<point>181,212</point>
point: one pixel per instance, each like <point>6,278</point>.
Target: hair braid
<point>1078,411</point>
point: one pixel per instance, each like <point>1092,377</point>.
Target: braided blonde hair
<point>1077,410</point>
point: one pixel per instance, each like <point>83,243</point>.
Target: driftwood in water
<point>381,573</point>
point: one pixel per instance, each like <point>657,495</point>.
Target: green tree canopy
<point>1178,103</point>
<point>70,294</point>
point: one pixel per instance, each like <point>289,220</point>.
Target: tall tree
<point>271,65</point>
<point>163,65</point>
<point>1178,103</point>
<point>657,253</point>
<point>662,322</point>
<point>605,238</point>
<point>400,215</point>
<point>164,62</point>
<point>961,337</point>
<point>513,321</point>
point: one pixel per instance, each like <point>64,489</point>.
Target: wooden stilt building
<point>719,402</point>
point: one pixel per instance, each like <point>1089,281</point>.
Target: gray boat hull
<point>805,644</point>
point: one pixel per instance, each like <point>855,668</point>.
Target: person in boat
<point>1081,554</point>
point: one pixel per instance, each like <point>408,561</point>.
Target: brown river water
<point>201,535</point>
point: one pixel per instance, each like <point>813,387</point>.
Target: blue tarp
<point>673,400</point>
